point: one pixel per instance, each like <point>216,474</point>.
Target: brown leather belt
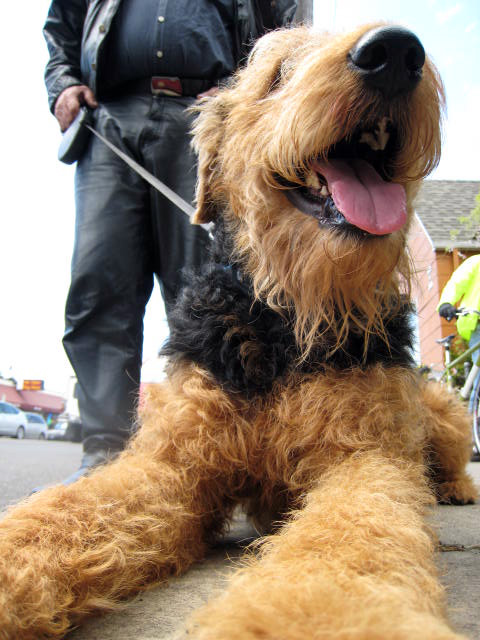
<point>166,85</point>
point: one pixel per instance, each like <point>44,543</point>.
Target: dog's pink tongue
<point>360,194</point>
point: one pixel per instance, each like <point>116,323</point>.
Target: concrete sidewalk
<point>160,614</point>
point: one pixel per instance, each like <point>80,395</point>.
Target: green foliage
<point>457,348</point>
<point>470,222</point>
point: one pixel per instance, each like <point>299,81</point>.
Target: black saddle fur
<point>246,346</point>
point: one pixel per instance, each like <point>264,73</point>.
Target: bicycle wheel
<point>475,410</point>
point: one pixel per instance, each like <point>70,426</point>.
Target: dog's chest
<point>247,346</point>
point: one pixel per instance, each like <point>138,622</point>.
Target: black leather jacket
<point>75,31</point>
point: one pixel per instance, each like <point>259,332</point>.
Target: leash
<point>72,146</point>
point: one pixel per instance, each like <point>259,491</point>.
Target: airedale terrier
<point>291,387</point>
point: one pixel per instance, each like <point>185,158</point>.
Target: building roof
<point>440,204</point>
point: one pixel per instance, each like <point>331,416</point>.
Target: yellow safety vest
<point>463,289</point>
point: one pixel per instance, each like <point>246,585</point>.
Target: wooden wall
<point>433,269</point>
<point>425,294</point>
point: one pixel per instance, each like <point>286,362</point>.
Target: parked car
<point>57,433</point>
<point>36,426</point>
<point>13,422</point>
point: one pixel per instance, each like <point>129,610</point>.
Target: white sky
<point>36,191</point>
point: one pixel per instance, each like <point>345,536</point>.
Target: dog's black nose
<point>390,59</point>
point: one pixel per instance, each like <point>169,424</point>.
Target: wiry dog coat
<point>291,387</point>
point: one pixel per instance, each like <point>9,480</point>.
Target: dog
<point>291,388</point>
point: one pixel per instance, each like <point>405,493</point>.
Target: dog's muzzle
<point>349,187</point>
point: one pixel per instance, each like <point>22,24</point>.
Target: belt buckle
<point>166,85</point>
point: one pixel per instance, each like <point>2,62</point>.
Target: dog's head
<point>313,156</point>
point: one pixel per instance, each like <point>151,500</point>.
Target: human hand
<point>447,311</point>
<point>69,102</point>
<point>209,93</point>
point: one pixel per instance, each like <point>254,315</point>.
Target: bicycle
<point>471,387</point>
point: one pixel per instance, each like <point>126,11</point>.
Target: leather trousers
<point>125,234</point>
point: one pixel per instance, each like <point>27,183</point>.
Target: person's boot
<point>97,450</point>
<point>90,460</point>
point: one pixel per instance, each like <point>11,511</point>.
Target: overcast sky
<point>37,215</point>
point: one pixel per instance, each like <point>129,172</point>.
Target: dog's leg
<point>70,551</point>
<point>356,563</point>
<point>449,445</point>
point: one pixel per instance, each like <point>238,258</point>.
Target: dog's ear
<point>207,141</point>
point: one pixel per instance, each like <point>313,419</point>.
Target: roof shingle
<point>440,204</point>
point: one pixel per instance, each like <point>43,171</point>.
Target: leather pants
<point>125,233</point>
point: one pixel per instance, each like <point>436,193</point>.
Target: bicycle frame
<point>467,387</point>
<point>471,388</point>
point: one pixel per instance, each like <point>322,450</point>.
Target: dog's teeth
<point>324,191</point>
<point>312,181</point>
<point>377,140</point>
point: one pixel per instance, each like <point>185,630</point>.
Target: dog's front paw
<point>459,491</point>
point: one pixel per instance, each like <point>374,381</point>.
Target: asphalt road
<point>26,464</point>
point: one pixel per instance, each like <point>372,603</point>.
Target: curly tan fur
<point>347,459</point>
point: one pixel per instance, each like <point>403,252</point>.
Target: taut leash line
<point>146,175</point>
<point>72,146</point>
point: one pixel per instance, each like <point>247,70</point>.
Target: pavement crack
<point>458,547</point>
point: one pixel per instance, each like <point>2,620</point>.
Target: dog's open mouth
<point>351,188</point>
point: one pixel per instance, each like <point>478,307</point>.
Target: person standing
<point>139,66</point>
<point>463,289</point>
